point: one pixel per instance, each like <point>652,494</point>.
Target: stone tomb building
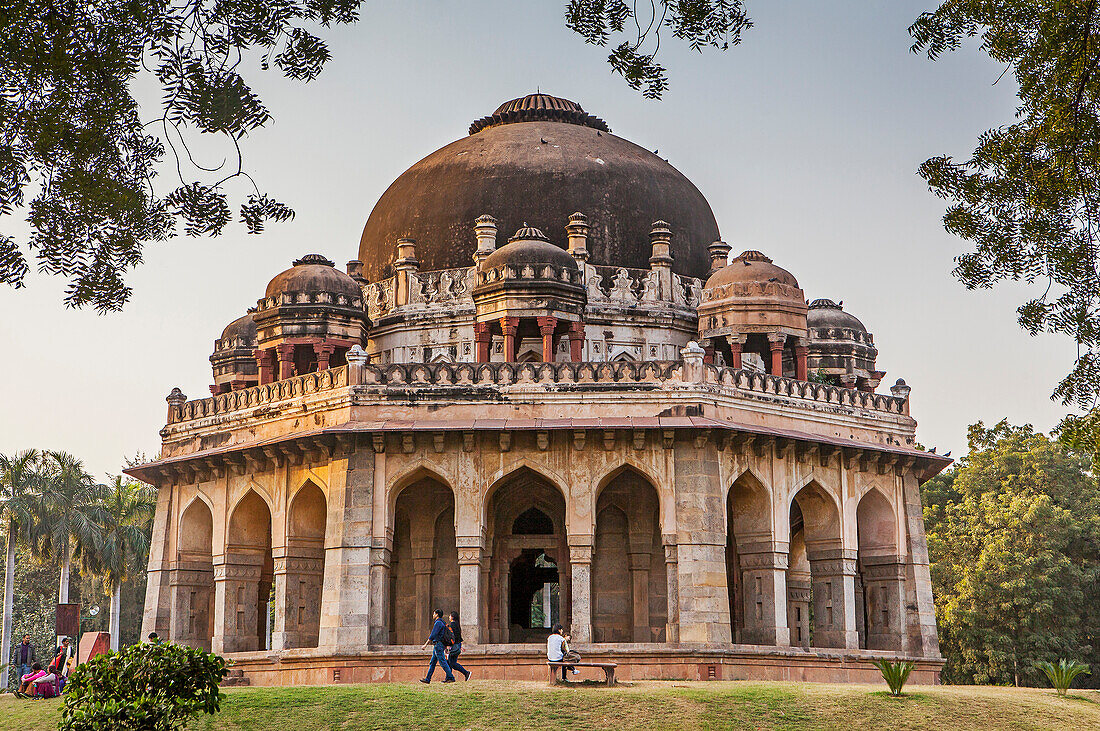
<point>543,392</point>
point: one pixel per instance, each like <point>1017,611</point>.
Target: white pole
<point>9,604</point>
<point>116,616</point>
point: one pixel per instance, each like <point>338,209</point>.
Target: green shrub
<point>1061,675</point>
<point>894,673</point>
<point>148,687</point>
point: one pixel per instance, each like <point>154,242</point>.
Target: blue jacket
<point>438,631</point>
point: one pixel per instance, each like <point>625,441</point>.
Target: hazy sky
<point>805,140</point>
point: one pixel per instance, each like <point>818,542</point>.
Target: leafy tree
<point>74,136</point>
<point>700,23</point>
<point>142,687</point>
<point>1014,542</point>
<point>1028,197</point>
<point>19,479</point>
<point>68,511</point>
<point>123,541</point>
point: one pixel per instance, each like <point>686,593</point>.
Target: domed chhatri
<point>600,420</point>
<point>538,161</point>
<point>529,246</point>
<point>313,273</point>
<point>232,361</point>
<point>754,312</point>
<point>841,348</point>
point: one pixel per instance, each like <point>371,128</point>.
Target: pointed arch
<point>512,470</point>
<point>821,513</point>
<point>876,524</point>
<point>420,470</point>
<point>196,529</point>
<point>249,523</point>
<point>666,508</point>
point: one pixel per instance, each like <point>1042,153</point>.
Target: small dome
<point>529,246</point>
<point>313,273</point>
<point>539,107</point>
<point>825,314</point>
<point>751,266</point>
<point>243,328</point>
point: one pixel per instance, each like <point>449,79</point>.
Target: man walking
<point>438,640</point>
<point>25,656</point>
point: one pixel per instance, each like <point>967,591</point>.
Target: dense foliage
<point>1014,543</point>
<point>1028,197</point>
<point>76,140</point>
<point>52,513</point>
<point>154,687</point>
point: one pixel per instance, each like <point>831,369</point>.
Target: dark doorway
<point>533,596</point>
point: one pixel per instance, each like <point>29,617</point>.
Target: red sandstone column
<point>481,342</point>
<point>286,360</point>
<point>265,364</point>
<point>800,353</point>
<point>736,343</point>
<point>324,352</point>
<point>576,341</point>
<point>546,327</point>
<point>708,354</point>
<point>777,354</point>
<point>508,326</point>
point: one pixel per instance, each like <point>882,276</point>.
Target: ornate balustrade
<point>658,373</point>
<point>269,393</point>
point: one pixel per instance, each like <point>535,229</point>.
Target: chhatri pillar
<point>776,341</point>
<point>576,342</point>
<point>508,326</point>
<point>546,329</point>
<point>482,340</point>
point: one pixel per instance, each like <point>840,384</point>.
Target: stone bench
<point>607,667</point>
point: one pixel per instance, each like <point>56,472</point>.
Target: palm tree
<point>20,479</point>
<point>68,512</point>
<point>123,545</point>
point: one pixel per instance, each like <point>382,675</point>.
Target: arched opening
<point>249,575</point>
<point>629,580</point>
<point>832,571</point>
<point>799,606</point>
<point>298,590</point>
<point>753,567</point>
<point>193,578</point>
<point>880,592</point>
<point>528,583</point>
<point>424,570</point>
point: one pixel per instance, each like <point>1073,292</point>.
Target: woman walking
<point>456,648</point>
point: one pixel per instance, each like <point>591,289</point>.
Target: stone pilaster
<point>884,602</point>
<point>920,624</point>
<point>701,551</point>
<point>672,628</point>
<point>833,573</point>
<point>192,602</point>
<point>158,608</point>
<point>469,588</point>
<point>298,580</point>
<point>347,592</point>
<point>639,575</point>
<point>580,565</point>
<point>764,592</point>
<point>236,603</point>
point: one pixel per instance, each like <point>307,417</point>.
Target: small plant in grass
<point>1061,675</point>
<point>895,673</point>
<point>156,687</point>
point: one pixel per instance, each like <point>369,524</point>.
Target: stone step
<point>234,682</point>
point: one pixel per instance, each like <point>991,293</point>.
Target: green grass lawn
<point>657,705</point>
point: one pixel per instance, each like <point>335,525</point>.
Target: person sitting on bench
<point>557,650</point>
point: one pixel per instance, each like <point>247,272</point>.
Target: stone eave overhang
<point>327,441</point>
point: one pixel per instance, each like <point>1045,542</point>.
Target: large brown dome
<point>540,159</point>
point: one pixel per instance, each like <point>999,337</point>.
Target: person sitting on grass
<point>557,650</point>
<point>26,682</point>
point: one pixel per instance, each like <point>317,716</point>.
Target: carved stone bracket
<point>578,439</point>
<point>378,441</point>
<point>468,441</point>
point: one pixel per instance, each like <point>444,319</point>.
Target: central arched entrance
<point>529,567</point>
<point>424,574</point>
